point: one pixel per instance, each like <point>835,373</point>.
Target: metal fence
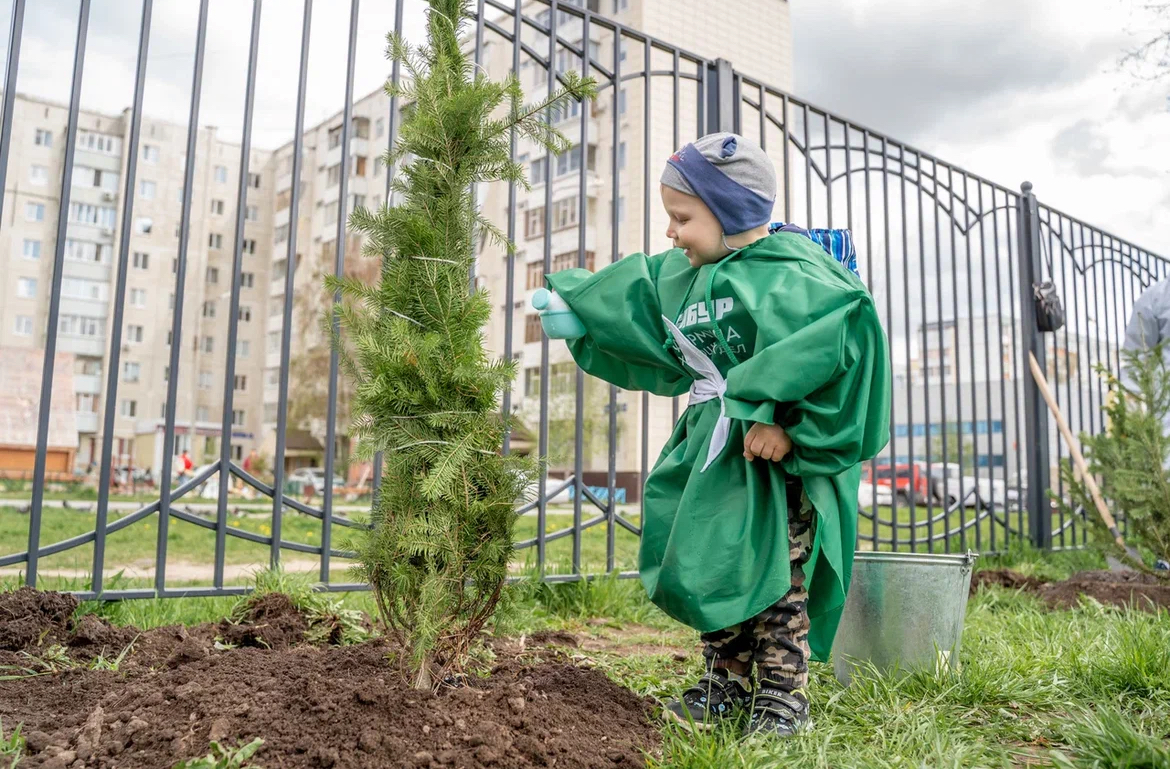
<point>949,256</point>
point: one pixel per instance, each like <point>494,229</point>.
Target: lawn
<point>1083,688</point>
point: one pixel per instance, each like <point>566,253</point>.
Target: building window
<point>532,328</point>
<point>215,240</point>
<point>209,309</point>
<point>221,174</point>
<point>564,214</point>
<point>34,212</point>
<point>138,297</point>
<point>334,137</point>
<point>141,260</point>
<point>535,276</point>
<point>247,279</point>
<point>249,246</point>
<point>568,261</point>
<point>129,408</point>
<point>208,344</point>
<point>204,380</point>
<point>79,325</point>
<point>532,381</point>
<point>243,348</point>
<point>84,213</point>
<point>80,288</point>
<point>254,181</point>
<point>32,249</point>
<point>24,325</point>
<point>147,189</point>
<point>241,382</point>
<point>272,378</point>
<point>103,143</point>
<point>150,153</point>
<point>252,213</point>
<point>38,175</point>
<point>331,213</point>
<point>270,412</point>
<point>281,233</point>
<point>534,222</point>
<point>213,275</point>
<point>333,176</point>
<point>143,224</point>
<point>134,334</point>
<point>273,341</point>
<point>217,207</point>
<point>26,288</point>
<point>84,176</point>
<point>379,127</point>
<point>131,371</point>
<point>538,171</point>
<point>202,414</point>
<point>245,313</point>
<point>621,211</point>
<point>85,251</point>
<point>43,138</point>
<point>622,155</point>
<point>622,102</point>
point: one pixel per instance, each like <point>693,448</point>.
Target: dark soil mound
<point>271,622</point>
<point>319,707</point>
<point>1144,591</point>
<point>1005,578</point>
<point>29,618</point>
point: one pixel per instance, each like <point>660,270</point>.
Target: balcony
<point>92,347</point>
<point>356,147</point>
<point>87,422</point>
<point>87,384</point>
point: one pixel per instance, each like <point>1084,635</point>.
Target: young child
<point>751,510</point>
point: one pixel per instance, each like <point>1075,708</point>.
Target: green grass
<point>1082,689</point>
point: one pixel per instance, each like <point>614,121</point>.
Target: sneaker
<point>777,713</point>
<point>713,698</point>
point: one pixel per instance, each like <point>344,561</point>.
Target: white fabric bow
<point>711,386</point>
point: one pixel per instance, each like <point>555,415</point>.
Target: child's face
<point>693,227</point>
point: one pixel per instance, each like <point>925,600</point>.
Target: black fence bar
<point>165,492</point>
<point>12,68</point>
<point>112,372</point>
<point>227,421</point>
<point>945,401</point>
<point>290,266</point>
<point>34,522</point>
<point>338,270</point>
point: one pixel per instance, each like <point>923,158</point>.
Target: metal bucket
<point>904,612</point>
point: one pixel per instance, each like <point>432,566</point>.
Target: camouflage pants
<point>776,639</point>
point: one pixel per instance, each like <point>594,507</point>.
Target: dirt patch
<point>1145,591</point>
<point>29,617</point>
<point>1005,578</point>
<point>271,622</point>
<point>320,706</point>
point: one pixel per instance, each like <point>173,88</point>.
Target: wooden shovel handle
<point>1074,448</point>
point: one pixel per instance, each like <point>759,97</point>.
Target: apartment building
<point>89,277</point>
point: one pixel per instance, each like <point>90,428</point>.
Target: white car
<point>868,494</point>
<point>315,476</point>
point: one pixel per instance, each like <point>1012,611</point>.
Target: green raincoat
<point>796,341</point>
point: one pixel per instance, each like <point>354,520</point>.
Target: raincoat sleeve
<point>821,367</point>
<point>624,334</point>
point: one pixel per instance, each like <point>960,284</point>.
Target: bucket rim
<point>930,559</point>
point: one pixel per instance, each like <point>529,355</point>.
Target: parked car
<point>949,484</point>
<point>907,480</point>
<point>314,476</point>
<point>869,494</point>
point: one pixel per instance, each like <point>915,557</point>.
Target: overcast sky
<point>1009,89</point>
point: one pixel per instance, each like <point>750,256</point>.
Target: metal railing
<point>949,256</point>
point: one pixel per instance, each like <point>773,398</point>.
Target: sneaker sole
<point>690,726</point>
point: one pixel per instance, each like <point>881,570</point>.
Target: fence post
<point>1035,410</point>
<point>722,99</point>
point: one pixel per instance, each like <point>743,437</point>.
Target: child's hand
<point>766,442</point>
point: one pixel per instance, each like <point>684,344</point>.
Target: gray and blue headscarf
<point>731,175</point>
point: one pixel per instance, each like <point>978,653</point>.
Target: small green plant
<point>225,758</point>
<point>11,747</point>
<point>101,662</point>
<point>426,391</point>
<point>1131,457</point>
<point>329,620</point>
